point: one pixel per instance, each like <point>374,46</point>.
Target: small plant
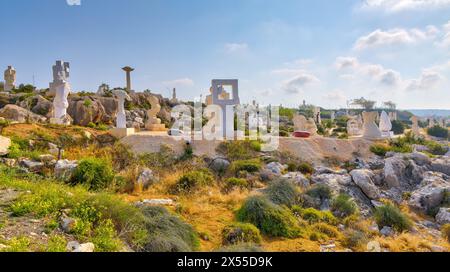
<point>239,150</point>
<point>325,229</point>
<point>379,149</point>
<point>446,231</point>
<point>95,174</point>
<point>19,244</point>
<point>194,180</point>
<point>320,191</point>
<point>105,237</point>
<point>241,233</point>
<point>315,216</point>
<point>354,239</point>
<point>391,216</point>
<point>87,103</point>
<point>56,243</point>
<point>270,218</point>
<point>283,192</point>
<point>306,168</point>
<point>343,205</point>
<point>233,183</point>
<point>250,166</point>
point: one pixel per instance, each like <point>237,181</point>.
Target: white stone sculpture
<point>299,122</point>
<point>370,128</point>
<point>102,89</point>
<point>61,74</point>
<point>333,116</point>
<point>153,122</point>
<point>354,126</point>
<point>317,117</point>
<point>415,126</point>
<point>10,79</point>
<point>121,129</point>
<point>226,104</point>
<point>386,125</point>
<point>431,123</point>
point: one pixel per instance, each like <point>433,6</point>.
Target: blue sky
<point>323,51</point>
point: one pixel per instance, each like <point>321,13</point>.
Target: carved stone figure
<point>61,74</point>
<point>153,122</point>
<point>370,128</point>
<point>386,125</point>
<point>10,79</point>
<point>415,126</point>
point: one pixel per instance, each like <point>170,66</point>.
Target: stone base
<point>156,127</point>
<point>387,134</point>
<point>59,121</point>
<point>120,133</point>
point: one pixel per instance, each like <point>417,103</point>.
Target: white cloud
<point>429,79</point>
<point>297,83</point>
<point>181,82</point>
<point>335,96</point>
<point>445,42</point>
<point>236,47</point>
<point>396,36</point>
<point>346,62</point>
<point>392,6</point>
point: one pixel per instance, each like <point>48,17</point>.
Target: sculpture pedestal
<point>61,121</point>
<point>121,132</point>
<point>156,127</point>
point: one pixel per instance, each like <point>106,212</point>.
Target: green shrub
<point>343,205</point>
<point>166,157</point>
<point>398,127</point>
<point>439,132</point>
<point>271,219</point>
<point>354,239</point>
<point>95,174</point>
<point>283,192</point>
<point>56,243</point>
<point>18,244</point>
<point>306,168</point>
<point>250,166</point>
<point>320,191</point>
<point>391,216</point>
<point>325,229</point>
<point>239,150</point>
<point>193,180</point>
<point>232,183</point>
<point>436,148</point>
<point>446,231</point>
<point>315,216</point>
<point>241,233</point>
<point>379,149</point>
<point>168,233</point>
<point>105,237</point>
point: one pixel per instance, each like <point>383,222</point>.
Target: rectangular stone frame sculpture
<point>224,104</point>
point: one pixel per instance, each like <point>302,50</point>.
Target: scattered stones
<point>441,165</point>
<point>443,217</point>
<point>328,248</point>
<point>74,246</point>
<point>5,143</point>
<point>364,179</point>
<point>8,162</point>
<point>47,158</point>
<point>65,168</point>
<point>53,149</point>
<point>67,224</point>
<point>387,231</point>
<point>374,228</point>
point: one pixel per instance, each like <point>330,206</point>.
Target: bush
<point>354,239</point>
<point>95,174</point>
<point>306,168</point>
<point>343,205</point>
<point>250,166</point>
<point>379,149</point>
<point>233,183</point>
<point>436,148</point>
<point>241,233</point>
<point>194,180</point>
<point>239,150</point>
<point>325,229</point>
<point>446,231</point>
<point>439,132</point>
<point>320,191</point>
<point>168,233</point>
<point>271,219</point>
<point>391,216</point>
<point>283,192</point>
<point>315,216</point>
<point>398,127</point>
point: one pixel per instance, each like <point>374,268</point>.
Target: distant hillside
<point>427,113</point>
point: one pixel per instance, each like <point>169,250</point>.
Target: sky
<point>326,52</point>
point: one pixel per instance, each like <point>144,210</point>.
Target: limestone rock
<point>402,172</point>
<point>146,178</point>
<point>74,246</point>
<point>85,110</point>
<point>443,217</point>
<point>46,158</point>
<point>219,165</point>
<point>156,202</point>
<point>420,158</point>
<point>20,115</point>
<point>32,166</point>
<point>5,143</point>
<point>67,224</point>
<point>431,192</point>
<point>387,231</point>
<point>364,179</point>
<point>298,178</point>
<point>325,170</point>
<point>65,168</point>
<point>276,168</point>
<point>441,165</point>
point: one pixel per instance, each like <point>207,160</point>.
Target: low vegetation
<point>391,216</point>
<point>239,233</point>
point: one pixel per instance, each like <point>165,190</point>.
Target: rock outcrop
<point>17,114</point>
<point>5,143</point>
<point>363,178</point>
<point>430,193</point>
